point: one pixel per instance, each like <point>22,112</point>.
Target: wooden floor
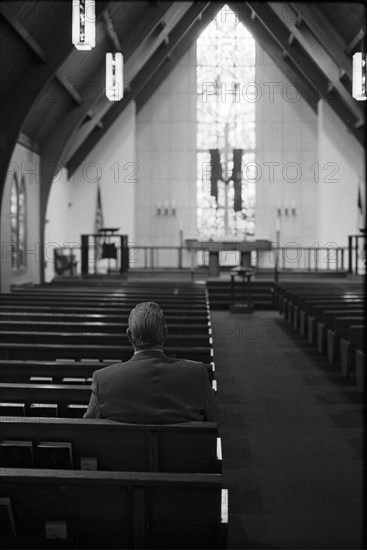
<point>292,438</point>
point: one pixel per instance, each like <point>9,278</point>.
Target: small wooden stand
<point>244,306</point>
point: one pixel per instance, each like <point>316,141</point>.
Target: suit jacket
<point>152,388</point>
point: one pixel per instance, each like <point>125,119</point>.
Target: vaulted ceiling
<point>53,96</point>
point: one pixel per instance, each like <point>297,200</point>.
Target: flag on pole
<point>99,212</point>
<point>361,205</point>
<point>361,209</point>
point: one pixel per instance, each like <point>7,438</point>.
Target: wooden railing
<point>357,254</point>
<point>281,258</point>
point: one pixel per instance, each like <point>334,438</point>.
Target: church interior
<point>210,157</point>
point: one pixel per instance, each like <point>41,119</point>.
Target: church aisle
<point>292,438</point>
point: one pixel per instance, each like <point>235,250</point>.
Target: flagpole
<point>98,225</point>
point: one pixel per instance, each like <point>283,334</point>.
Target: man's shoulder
<point>188,364</point>
<point>110,369</point>
<point>179,364</point>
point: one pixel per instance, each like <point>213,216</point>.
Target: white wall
<point>71,208</point>
<point>24,162</point>
<point>342,166</point>
<point>59,220</point>
<point>166,154</point>
<point>286,134</point>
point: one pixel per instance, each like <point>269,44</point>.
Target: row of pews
<point>332,318</point>
<point>74,483</point>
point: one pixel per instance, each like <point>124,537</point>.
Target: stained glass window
<point>18,223</point>
<point>226,98</point>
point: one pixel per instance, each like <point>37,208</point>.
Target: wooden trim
<point>358,38</point>
<point>23,33</point>
<point>177,35</point>
<point>111,32</point>
<point>29,143</point>
<point>68,86</point>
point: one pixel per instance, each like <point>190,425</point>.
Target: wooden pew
<point>176,315</point>
<point>175,321</point>
<point>315,310</point>
<point>301,308</point>
<point>349,345</point>
<point>76,300</point>
<point>114,509</point>
<point>20,371</point>
<point>139,290</point>
<point>290,299</point>
<point>50,324</point>
<point>62,395</point>
<point>288,292</point>
<point>360,369</point>
<point>46,352</point>
<point>341,330</point>
<point>167,303</point>
<point>104,339</point>
<point>299,302</point>
<point>304,306</point>
<point>187,447</point>
<point>328,322</point>
<point>287,295</point>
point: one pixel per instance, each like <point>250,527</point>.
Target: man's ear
<point>128,332</point>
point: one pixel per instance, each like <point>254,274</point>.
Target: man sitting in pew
<point>152,388</point>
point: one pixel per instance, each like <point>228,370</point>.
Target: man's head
<point>147,326</point>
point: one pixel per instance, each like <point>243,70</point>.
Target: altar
<point>215,248</point>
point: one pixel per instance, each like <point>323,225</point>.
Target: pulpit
<point>106,244</point>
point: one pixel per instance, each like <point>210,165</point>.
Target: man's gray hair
<point>147,325</point>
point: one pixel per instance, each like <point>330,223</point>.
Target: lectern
<point>244,305</point>
<point>104,246</point>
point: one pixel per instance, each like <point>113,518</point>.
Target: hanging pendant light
<point>114,76</point>
<point>84,24</point>
<point>359,76</point>
<point>359,71</point>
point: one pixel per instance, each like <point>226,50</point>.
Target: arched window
<point>226,106</point>
<point>18,223</point>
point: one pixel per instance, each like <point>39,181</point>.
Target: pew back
<point>187,447</point>
<point>115,509</point>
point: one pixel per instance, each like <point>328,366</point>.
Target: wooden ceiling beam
<point>171,60</point>
<point>131,43</point>
<point>23,33</point>
<point>26,141</point>
<point>16,106</point>
<point>264,40</point>
<point>324,32</point>
<point>68,86</point>
<point>137,84</point>
<point>348,112</point>
<point>56,147</point>
<point>276,53</point>
<point>320,57</point>
<point>111,32</point>
<point>141,31</point>
<point>353,44</point>
<point>276,28</point>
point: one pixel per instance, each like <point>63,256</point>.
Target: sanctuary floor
<point>292,438</point>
